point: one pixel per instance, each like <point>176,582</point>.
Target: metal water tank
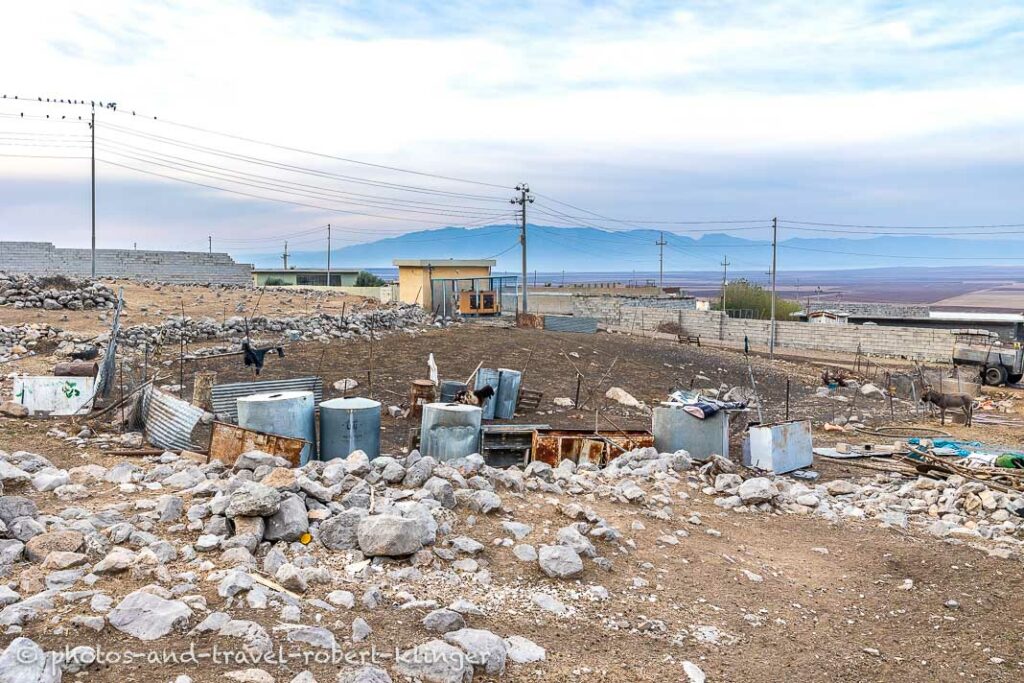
<point>449,430</point>
<point>286,413</point>
<point>675,429</point>
<point>449,389</point>
<point>349,424</point>
<point>508,393</point>
<point>488,377</point>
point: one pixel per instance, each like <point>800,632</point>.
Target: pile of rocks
<point>954,508</point>
<point>19,340</point>
<point>54,293</point>
<point>320,327</point>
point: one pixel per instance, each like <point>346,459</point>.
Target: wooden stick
<point>259,578</point>
<point>473,374</point>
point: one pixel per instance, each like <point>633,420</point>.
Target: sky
<point>877,113</point>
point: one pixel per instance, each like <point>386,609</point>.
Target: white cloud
<point>504,93</point>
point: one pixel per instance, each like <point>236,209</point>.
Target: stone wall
<point>858,309</point>
<point>43,258</point>
<point>900,342</point>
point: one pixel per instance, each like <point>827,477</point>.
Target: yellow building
<point>414,276</point>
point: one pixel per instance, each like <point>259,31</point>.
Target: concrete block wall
<point>605,306</point>
<point>899,342</point>
<point>43,258</point>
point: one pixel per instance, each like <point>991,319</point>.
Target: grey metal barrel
<point>675,429</point>
<point>508,393</point>
<point>286,413</point>
<point>449,389</point>
<point>449,430</point>
<point>488,377</point>
<point>349,424</point>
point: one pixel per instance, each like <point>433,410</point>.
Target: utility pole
<point>92,131</point>
<point>725,273</point>
<point>661,260</point>
<point>209,239</point>
<point>775,240</point>
<point>522,200</point>
<point>285,255</point>
<point>328,254</point>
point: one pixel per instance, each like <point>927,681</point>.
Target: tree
<point>367,279</point>
<point>746,296</point>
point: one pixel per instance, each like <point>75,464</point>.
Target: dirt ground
<point>831,606</point>
<point>152,304</point>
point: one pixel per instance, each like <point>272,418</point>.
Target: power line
<point>908,256</point>
<point>288,148</point>
<point>905,227</point>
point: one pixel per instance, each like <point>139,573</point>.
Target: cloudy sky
<point>894,113</point>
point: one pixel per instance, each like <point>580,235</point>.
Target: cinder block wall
<point>899,342</point>
<point>43,258</point>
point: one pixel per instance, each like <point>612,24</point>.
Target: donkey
<point>945,401</point>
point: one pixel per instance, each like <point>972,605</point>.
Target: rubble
<point>54,293</point>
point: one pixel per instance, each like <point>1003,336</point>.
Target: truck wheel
<point>1013,379</point>
<point>995,375</point>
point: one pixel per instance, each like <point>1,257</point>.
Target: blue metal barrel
<point>286,413</point>
<point>488,377</point>
<point>349,424</point>
<point>508,393</point>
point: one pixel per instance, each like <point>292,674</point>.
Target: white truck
<point>984,352</point>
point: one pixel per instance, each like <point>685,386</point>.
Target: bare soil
<point>816,616</point>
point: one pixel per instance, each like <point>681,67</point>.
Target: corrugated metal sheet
<point>570,323</point>
<point>225,395</point>
<point>170,421</point>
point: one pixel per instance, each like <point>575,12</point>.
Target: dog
<point>945,401</point>
<point>475,398</point>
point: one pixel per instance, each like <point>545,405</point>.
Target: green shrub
<point>367,279</point>
<point>746,296</point>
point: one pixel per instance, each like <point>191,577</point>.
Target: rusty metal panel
<point>583,446</point>
<point>228,441</point>
<point>224,396</point>
<point>170,421</point>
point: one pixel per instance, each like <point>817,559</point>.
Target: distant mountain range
<point>552,249</point>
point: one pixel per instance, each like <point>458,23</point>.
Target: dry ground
<point>152,304</point>
<point>817,613</point>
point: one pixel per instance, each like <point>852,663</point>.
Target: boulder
<point>25,662</point>
<point>340,531</point>
<point>523,651</point>
<point>38,547</point>
<point>435,662</point>
<point>559,561</point>
<point>485,650</point>
<point>757,490</point>
<point>146,616</point>
<point>289,522</point>
<point>389,535</point>
<point>253,499</point>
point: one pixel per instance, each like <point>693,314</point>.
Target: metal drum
<point>508,393</point>
<point>675,429</point>
<point>285,413</point>
<point>449,430</point>
<point>491,378</point>
<point>450,388</point>
<point>349,424</point>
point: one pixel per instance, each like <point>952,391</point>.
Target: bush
<point>744,295</point>
<point>275,282</point>
<point>366,279</point>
